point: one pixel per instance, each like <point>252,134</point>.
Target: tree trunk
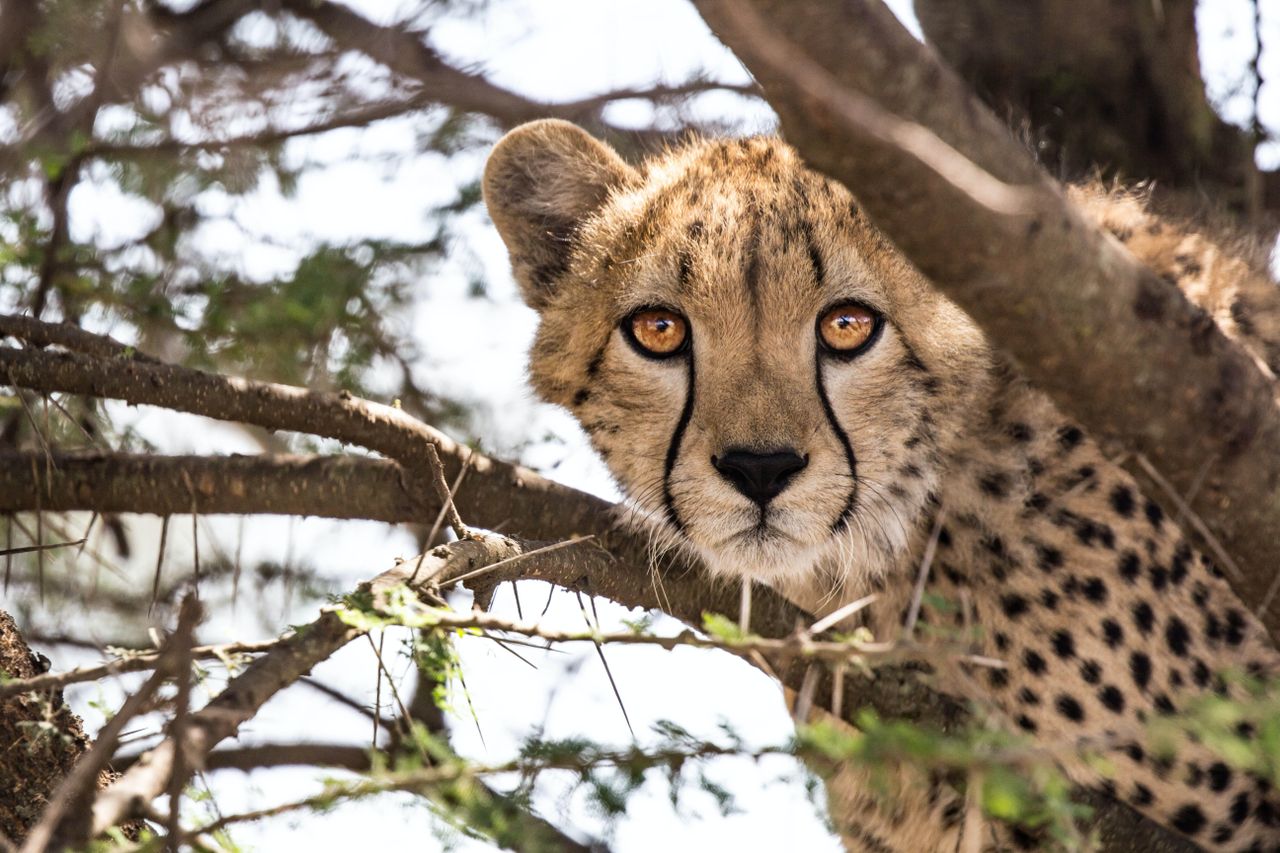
<point>1099,86</point>
<point>42,738</point>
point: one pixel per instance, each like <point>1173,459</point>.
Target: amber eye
<point>847,329</point>
<point>657,332</point>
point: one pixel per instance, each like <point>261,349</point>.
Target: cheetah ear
<point>542,180</point>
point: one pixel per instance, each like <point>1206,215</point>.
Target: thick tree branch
<point>622,569</point>
<point>1114,346</point>
<point>345,487</point>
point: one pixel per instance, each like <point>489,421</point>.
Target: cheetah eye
<point>848,328</point>
<point>657,332</point>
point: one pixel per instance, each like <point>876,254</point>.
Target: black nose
<point>759,476</point>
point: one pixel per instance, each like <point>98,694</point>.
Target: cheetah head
<point>772,384</point>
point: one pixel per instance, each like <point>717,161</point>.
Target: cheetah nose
<point>759,476</point>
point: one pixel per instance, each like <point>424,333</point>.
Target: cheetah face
<point>771,384</point>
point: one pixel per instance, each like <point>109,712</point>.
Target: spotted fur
<point>1105,615</point>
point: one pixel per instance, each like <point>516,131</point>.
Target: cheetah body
<point>1053,559</point>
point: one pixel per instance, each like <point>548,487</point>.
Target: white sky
<point>474,350</point>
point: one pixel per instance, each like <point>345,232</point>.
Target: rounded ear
<point>542,180</point>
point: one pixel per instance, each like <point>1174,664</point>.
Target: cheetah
<point>780,393</point>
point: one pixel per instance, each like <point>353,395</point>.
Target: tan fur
<point>1075,579</point>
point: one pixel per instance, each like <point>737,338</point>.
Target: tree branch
<point>407,54</point>
<point>622,568</point>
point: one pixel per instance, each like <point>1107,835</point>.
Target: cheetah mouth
<point>758,535</point>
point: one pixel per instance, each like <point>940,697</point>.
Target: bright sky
<point>551,49</point>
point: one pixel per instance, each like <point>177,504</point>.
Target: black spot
<point>1064,645</point>
<point>944,538</point>
<point>1037,502</point>
<point>995,545</point>
<point>1235,627</point>
<point>1240,808</point>
<point>1095,590</point>
<point>1069,437</point>
<point>1112,633</point>
<point>1135,753</point>
<point>1222,833</point>
<point>1212,627</point>
<point>1219,776</point>
<point>1200,595</point>
<point>1034,662</point>
<point>1164,705</point>
<point>1049,599</point>
<point>1200,673</point>
<point>1130,566</point>
<point>1048,558</point>
<point>1002,640</point>
<point>1159,577</point>
<point>1177,636</point>
<point>1122,501</point>
<point>1178,566</point>
<point>995,484</point>
<point>1111,698</point>
<point>1027,696</point>
<point>1069,708</point>
<point>1143,618</point>
<point>1155,515</point>
<point>1090,671</point>
<point>1189,819</point>
<point>1026,723</point>
<point>581,396</point>
<point>998,678</point>
<point>1140,669</point>
<point>1020,432</point>
<point>1265,813</point>
<point>1142,795</point>
<point>1014,605</point>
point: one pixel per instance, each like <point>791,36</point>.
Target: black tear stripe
<point>842,520</point>
<point>673,451</point>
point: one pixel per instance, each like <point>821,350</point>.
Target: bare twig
<point>1193,518</point>
<point>926,562</point>
<point>438,482</point>
<point>131,661</point>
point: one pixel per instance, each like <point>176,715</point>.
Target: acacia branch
<point>294,657</point>
<point>1114,346</point>
<point>409,55</point>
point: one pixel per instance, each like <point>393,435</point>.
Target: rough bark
<point>1117,349</point>
<point>42,739</point>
